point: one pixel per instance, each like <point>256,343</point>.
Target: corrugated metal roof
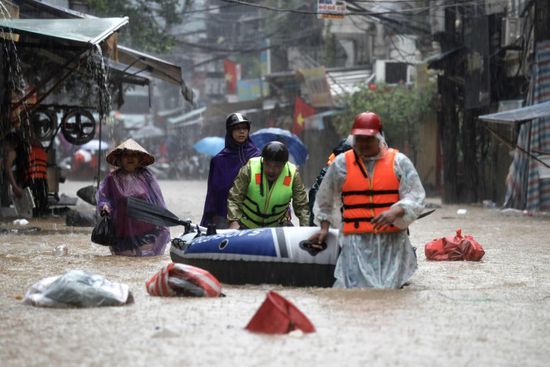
<point>80,31</point>
<point>348,81</point>
<point>158,68</point>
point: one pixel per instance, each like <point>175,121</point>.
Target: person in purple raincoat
<point>132,179</point>
<point>224,168</point>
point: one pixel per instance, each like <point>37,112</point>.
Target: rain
<point>173,108</point>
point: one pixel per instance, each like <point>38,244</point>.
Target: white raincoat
<point>383,260</point>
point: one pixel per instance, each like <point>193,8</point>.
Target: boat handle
<point>313,248</point>
<point>223,244</point>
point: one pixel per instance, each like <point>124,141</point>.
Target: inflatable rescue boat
<point>280,255</point>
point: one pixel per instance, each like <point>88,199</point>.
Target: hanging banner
<point>265,58</point>
<point>317,87</point>
<point>250,89</point>
<point>232,72</point>
<point>330,9</point>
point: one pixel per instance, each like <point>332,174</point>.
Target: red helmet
<point>366,123</point>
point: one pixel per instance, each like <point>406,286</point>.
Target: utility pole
<point>542,20</point>
<point>449,91</point>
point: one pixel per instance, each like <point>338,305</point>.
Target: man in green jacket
<point>263,189</point>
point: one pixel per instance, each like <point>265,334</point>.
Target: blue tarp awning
<point>519,114</point>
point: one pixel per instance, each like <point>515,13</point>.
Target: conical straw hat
<point>130,145</point>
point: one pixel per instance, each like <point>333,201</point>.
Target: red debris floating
<point>454,248</point>
<point>277,315</point>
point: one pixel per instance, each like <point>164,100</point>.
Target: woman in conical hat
<point>132,179</point>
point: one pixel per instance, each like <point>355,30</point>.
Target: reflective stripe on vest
<point>364,198</point>
<point>267,207</point>
<point>38,163</point>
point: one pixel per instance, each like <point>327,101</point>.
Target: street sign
<point>331,9</point>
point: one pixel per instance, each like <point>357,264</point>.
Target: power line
<point>227,52</point>
<point>303,34</point>
<point>357,9</point>
<point>207,10</point>
<point>362,12</point>
<point>276,34</point>
<point>395,24</point>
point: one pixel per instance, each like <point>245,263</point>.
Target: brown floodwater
<point>490,313</point>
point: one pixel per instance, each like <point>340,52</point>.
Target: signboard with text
<point>330,9</point>
<point>251,89</point>
<point>317,87</point>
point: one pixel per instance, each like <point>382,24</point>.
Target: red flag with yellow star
<point>231,71</point>
<point>301,111</point>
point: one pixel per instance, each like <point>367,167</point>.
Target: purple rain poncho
<point>223,170</point>
<point>135,238</point>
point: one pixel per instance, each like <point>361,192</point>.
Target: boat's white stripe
<point>240,257</point>
<point>275,242</point>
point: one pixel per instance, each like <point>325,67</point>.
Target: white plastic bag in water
<point>77,288</point>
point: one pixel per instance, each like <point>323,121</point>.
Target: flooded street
<point>492,313</point>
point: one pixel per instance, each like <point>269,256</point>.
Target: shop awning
<point>194,116</point>
<point>315,122</point>
<point>78,31</point>
<point>118,72</point>
<point>156,67</point>
<point>143,64</point>
<point>436,61</point>
<point>92,31</point>
<point>348,81</point>
<point>519,114</point>
<point>171,112</point>
<point>128,75</point>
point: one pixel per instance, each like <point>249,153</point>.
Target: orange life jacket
<point>364,198</point>
<point>38,163</point>
<point>331,159</point>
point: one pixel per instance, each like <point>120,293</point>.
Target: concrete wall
<point>319,144</point>
<point>426,159</point>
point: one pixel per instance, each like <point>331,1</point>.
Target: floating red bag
<point>183,280</point>
<point>454,248</point>
<point>277,315</point>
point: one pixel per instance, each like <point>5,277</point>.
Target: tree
<point>400,107</point>
<point>150,24</point>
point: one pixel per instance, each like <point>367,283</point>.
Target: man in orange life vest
<point>31,167</point>
<point>37,173</point>
<point>380,194</point>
